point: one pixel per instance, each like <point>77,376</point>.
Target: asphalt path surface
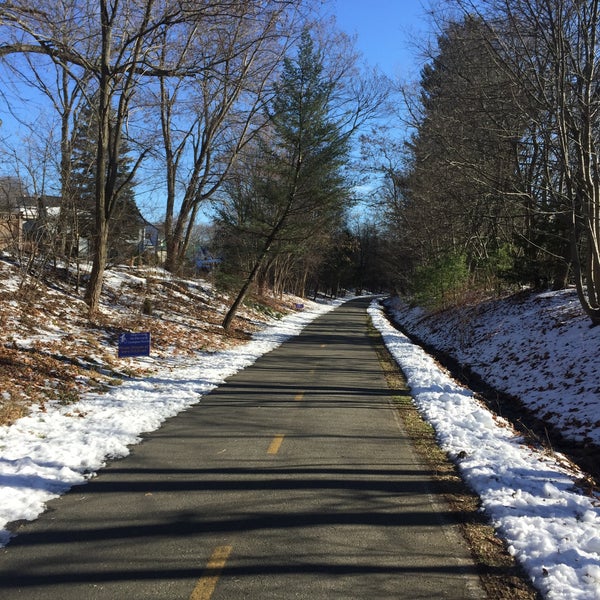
<point>294,479</point>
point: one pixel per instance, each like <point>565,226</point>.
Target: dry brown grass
<point>51,352</point>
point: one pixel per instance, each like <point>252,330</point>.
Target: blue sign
<point>134,344</point>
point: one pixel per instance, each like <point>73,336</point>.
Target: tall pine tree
<point>126,220</point>
<point>298,187</point>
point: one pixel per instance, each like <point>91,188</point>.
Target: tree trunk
<point>258,264</point>
<point>94,287</point>
<point>243,291</point>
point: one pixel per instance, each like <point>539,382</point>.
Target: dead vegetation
<point>51,352</point>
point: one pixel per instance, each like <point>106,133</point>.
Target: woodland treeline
<point>499,182</point>
<point>256,109</point>
<point>250,105</point>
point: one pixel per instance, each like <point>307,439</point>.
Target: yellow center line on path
<point>206,584</point>
<point>275,444</point>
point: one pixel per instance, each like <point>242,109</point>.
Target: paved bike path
<point>294,479</point>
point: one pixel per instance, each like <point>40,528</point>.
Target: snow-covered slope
<point>531,496</point>
<point>537,347</point>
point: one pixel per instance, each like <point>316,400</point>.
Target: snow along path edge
<point>45,453</point>
<point>549,525</point>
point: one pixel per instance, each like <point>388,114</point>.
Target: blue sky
<point>388,35</point>
<point>388,32</point>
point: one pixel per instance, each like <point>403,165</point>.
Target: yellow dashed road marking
<point>206,584</point>
<point>275,444</point>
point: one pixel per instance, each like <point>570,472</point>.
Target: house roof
<point>12,194</point>
<point>14,197</point>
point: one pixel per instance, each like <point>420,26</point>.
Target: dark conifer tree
<point>298,185</point>
<point>126,219</point>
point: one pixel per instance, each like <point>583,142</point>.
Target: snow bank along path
<point>45,453</point>
<point>551,527</point>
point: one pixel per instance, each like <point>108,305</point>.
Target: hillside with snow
<point>537,347</point>
<point>541,347</point>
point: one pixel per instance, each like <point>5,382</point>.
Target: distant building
<point>27,219</point>
<point>17,211</point>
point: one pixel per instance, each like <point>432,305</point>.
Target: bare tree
<point>110,43</point>
<point>117,46</point>
<point>65,95</point>
<point>550,49</point>
<point>206,121</point>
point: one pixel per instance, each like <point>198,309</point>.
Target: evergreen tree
<point>126,218</point>
<point>461,176</point>
<point>298,185</point>
<point>309,147</point>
